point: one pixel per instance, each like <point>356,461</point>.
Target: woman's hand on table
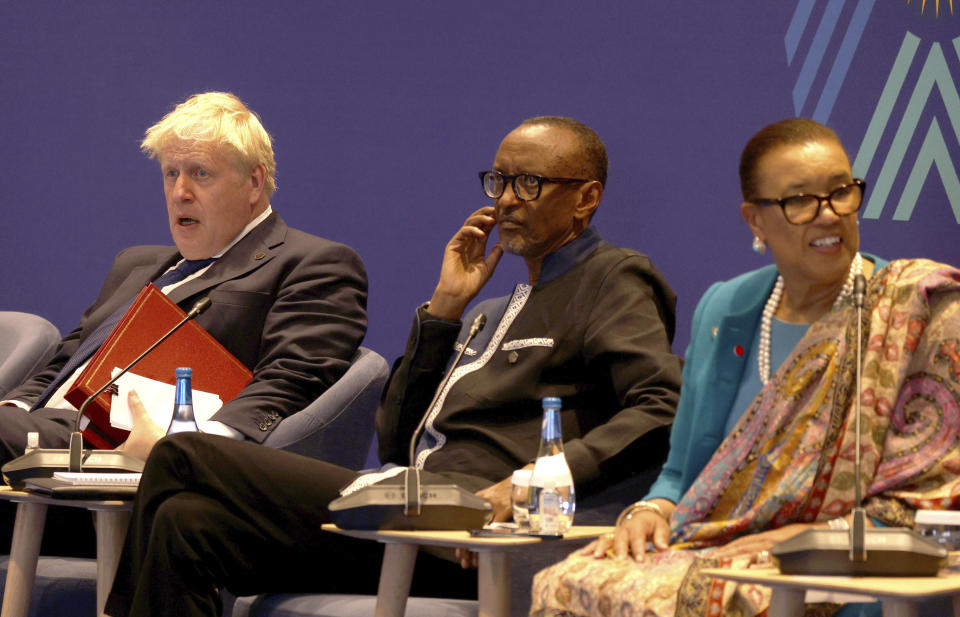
<point>631,536</point>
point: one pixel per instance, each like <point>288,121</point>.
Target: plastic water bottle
<point>183,420</point>
<point>552,500</point>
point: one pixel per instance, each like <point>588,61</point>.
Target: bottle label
<point>551,469</point>
<point>549,512</point>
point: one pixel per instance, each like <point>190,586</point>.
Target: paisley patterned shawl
<point>790,458</point>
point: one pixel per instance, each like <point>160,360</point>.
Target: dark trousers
<point>214,513</point>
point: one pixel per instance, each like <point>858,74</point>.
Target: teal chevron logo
<point>934,151</point>
<point>815,60</point>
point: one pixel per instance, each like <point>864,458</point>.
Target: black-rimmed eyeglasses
<point>801,209</point>
<point>525,186</point>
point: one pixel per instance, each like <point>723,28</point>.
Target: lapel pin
<point>738,349</point>
<point>713,332</point>
<point>260,255</point>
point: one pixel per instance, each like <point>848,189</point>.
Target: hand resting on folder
<point>157,397</point>
<point>145,431</point>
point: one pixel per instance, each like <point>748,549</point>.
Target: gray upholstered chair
<point>338,426</point>
<point>64,586</point>
<point>342,605</point>
<point>26,342</point>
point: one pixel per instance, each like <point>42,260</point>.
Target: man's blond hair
<point>218,118</point>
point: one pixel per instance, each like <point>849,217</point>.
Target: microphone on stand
<point>881,551</point>
<point>42,462</point>
<point>478,323</point>
<point>401,502</point>
<point>858,518</point>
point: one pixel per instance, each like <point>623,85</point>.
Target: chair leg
<point>396,574</point>
<point>786,602</point>
<point>24,551</point>
<point>111,530</point>
<point>900,608</point>
<point>493,583</point>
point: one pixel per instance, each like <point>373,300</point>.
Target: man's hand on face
<point>465,268</point>
<point>145,431</point>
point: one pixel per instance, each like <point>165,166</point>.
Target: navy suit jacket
<point>290,306</point>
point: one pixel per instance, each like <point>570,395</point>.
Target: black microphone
<point>478,323</point>
<point>859,291</point>
<point>401,502</point>
<point>881,551</point>
<point>42,462</point>
<point>76,438</point>
<point>858,518</point>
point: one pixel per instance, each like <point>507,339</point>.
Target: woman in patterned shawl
<point>755,457</point>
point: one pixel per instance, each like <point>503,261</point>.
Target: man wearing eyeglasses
<point>592,325</point>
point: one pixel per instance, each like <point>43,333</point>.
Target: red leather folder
<point>152,315</point>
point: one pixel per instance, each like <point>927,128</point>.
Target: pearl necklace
<point>766,320</point>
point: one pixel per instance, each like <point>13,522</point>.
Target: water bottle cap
<point>184,371</point>
<point>552,402</point>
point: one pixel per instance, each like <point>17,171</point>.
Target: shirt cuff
<point>424,314</point>
<point>16,403</point>
<point>219,428</point>
<point>432,341</point>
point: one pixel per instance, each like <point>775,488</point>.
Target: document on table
<point>79,478</point>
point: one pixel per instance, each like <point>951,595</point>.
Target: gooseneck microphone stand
<point>76,438</point>
<point>387,505</point>
<point>43,462</point>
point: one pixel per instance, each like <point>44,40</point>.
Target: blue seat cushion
<point>64,587</point>
<point>342,605</point>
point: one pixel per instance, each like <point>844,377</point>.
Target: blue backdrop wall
<point>383,112</point>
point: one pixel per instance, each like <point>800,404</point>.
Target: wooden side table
<point>493,567</point>
<point>900,595</point>
<point>112,517</point>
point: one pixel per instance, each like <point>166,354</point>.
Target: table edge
<point>838,583</point>
<point>9,494</point>
<point>392,536</point>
